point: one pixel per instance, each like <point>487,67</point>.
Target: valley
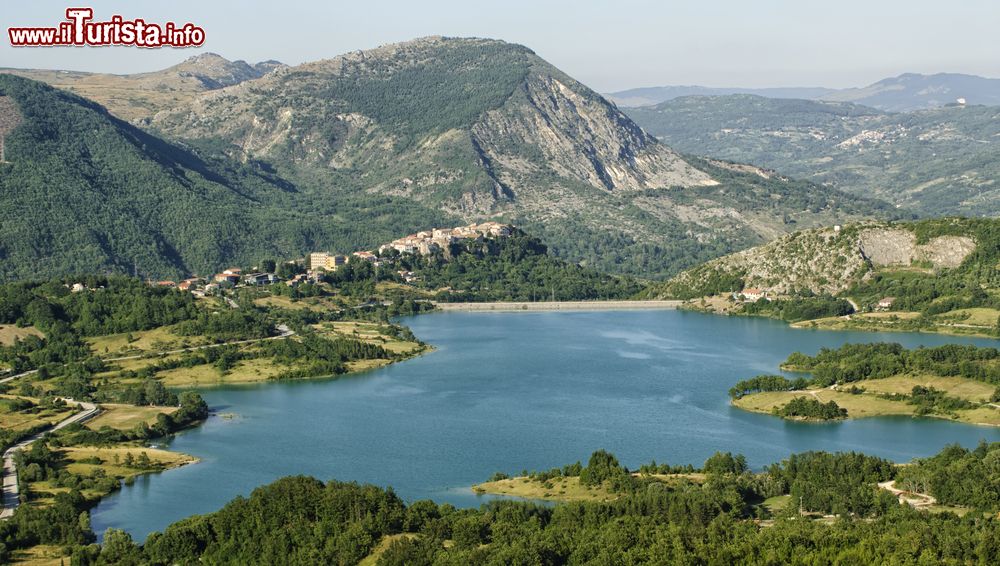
<point>440,302</point>
<point>934,161</point>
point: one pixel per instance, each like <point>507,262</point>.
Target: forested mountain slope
<point>941,161</point>
<point>82,191</point>
<point>481,128</point>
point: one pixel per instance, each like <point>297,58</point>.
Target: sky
<point>607,45</point>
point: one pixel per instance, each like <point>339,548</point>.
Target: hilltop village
<point>316,265</point>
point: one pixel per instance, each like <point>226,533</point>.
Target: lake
<point>513,391</point>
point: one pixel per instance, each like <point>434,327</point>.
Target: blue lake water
<point>513,391</point>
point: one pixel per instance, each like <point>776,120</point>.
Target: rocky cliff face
<point>580,136</point>
<point>898,247</point>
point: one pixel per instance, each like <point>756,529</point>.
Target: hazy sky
<point>607,45</point>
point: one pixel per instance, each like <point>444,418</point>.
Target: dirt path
<point>915,500</point>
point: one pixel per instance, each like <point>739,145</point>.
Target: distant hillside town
<point>315,265</point>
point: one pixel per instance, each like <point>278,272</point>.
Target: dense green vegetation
<point>429,97</point>
<point>798,309</point>
<point>855,362</point>
<point>301,520</point>
<point>517,268</point>
<point>811,409</point>
<point>766,383</point>
<point>128,200</point>
<point>957,476</point>
<point>107,305</point>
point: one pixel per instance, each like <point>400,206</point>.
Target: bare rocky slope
<point>826,260</point>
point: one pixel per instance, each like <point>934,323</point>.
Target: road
<point>283,329</point>
<point>13,377</point>
<point>11,498</point>
<point>854,305</point>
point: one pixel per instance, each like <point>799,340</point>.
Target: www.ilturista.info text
<point>79,29</point>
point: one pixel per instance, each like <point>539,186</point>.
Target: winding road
<point>11,495</point>
<point>11,498</point>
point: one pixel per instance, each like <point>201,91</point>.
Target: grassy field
<point>383,545</point>
<point>40,555</point>
<point>9,333</point>
<point>82,461</point>
<point>316,304</point>
<point>973,316</point>
<point>245,371</point>
<point>569,488</point>
<point>126,417</point>
<point>777,503</point>
<point>858,406</point>
<point>556,489</point>
<point>31,417</point>
<point>249,370</point>
<point>157,340</point>
<point>370,332</point>
<point>961,322</point>
<point>868,404</point>
<point>975,391</point>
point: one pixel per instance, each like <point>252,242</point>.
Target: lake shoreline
<point>516,306</point>
<point>388,415</point>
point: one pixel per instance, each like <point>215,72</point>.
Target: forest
<point>108,305</point>
<point>516,268</point>
<point>836,514</point>
<point>856,362</point>
<point>800,308</point>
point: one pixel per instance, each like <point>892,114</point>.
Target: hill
<point>482,129</point>
<point>937,275</point>
<point>913,91</point>
<point>651,96</point>
<point>137,96</point>
<point>906,92</point>
<point>83,191</point>
<point>936,162</point>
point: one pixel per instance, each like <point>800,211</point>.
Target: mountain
<point>907,92</point>
<point>912,91</point>
<point>939,161</point>
<point>83,191</point>
<point>133,97</point>
<point>481,129</point>
<point>650,96</point>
